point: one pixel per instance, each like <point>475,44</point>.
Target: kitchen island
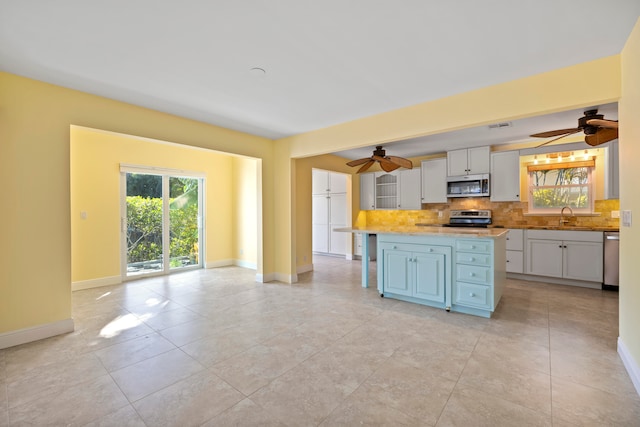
<point>458,269</point>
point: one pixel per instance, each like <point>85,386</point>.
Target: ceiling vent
<point>501,125</point>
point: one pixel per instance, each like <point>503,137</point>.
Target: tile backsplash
<point>507,214</point>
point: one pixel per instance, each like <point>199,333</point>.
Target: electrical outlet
<point>440,214</point>
<point>615,214</point>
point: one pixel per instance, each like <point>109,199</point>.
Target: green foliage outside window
<point>144,220</point>
<point>555,188</point>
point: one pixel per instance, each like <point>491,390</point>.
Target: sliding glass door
<point>162,223</point>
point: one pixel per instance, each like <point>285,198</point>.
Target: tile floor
<point>215,348</point>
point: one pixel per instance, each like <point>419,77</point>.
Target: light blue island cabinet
<point>457,269</point>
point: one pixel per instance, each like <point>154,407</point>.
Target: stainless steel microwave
<point>468,185</point>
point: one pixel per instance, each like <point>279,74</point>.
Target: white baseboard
<point>304,268</point>
<point>264,278</point>
<point>219,263</point>
<point>35,333</point>
<point>632,367</point>
<point>246,264</point>
<point>349,257</point>
<point>286,278</point>
<point>96,283</point>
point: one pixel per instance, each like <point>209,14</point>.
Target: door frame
<point>165,173</point>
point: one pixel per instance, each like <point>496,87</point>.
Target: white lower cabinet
<point>515,251</point>
<point>575,255</point>
<point>457,274</point>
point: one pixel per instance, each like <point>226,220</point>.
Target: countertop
<point>417,230</point>
<point>557,227</point>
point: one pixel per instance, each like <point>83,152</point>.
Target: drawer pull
<point>472,274</point>
<point>430,249</point>
<point>472,259</point>
<point>395,247</point>
<point>471,294</point>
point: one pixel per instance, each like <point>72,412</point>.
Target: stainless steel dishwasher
<point>611,260</point>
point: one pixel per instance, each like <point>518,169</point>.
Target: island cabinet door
<point>429,276</point>
<point>397,272</point>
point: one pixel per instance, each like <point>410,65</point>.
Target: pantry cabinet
<point>329,211</point>
<point>469,161</point>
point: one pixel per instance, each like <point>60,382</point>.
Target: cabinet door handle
<point>471,294</point>
<point>560,246</point>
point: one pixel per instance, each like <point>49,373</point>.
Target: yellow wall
<point>35,249</point>
<point>245,211</point>
<point>629,195</point>
<point>95,189</point>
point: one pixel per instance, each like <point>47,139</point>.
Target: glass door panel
<point>144,224</point>
<point>184,212</point>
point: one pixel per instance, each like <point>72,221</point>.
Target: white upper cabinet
<point>612,171</point>
<point>387,190</point>
<point>409,186</point>
<point>434,180</point>
<point>469,161</point>
<point>367,191</point>
<point>328,182</point>
<point>505,176</point>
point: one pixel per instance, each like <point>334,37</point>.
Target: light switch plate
<point>626,218</point>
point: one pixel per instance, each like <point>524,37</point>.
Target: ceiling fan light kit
<point>596,128</point>
<point>387,163</point>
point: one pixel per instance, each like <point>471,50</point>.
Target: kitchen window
<point>557,184</point>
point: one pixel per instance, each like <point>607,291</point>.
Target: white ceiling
<point>326,62</point>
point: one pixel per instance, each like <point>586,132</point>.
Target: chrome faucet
<point>562,220</point>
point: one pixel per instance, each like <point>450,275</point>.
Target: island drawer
<point>473,258</point>
<point>472,273</point>
<point>480,246</point>
<point>473,295</point>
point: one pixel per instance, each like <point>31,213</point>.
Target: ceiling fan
<point>596,128</point>
<point>387,163</point>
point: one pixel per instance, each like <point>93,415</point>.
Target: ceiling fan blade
<point>560,137</point>
<point>387,166</point>
<point>555,133</point>
<point>601,136</point>
<point>366,166</point>
<point>603,123</point>
<point>405,163</point>
<point>359,161</point>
